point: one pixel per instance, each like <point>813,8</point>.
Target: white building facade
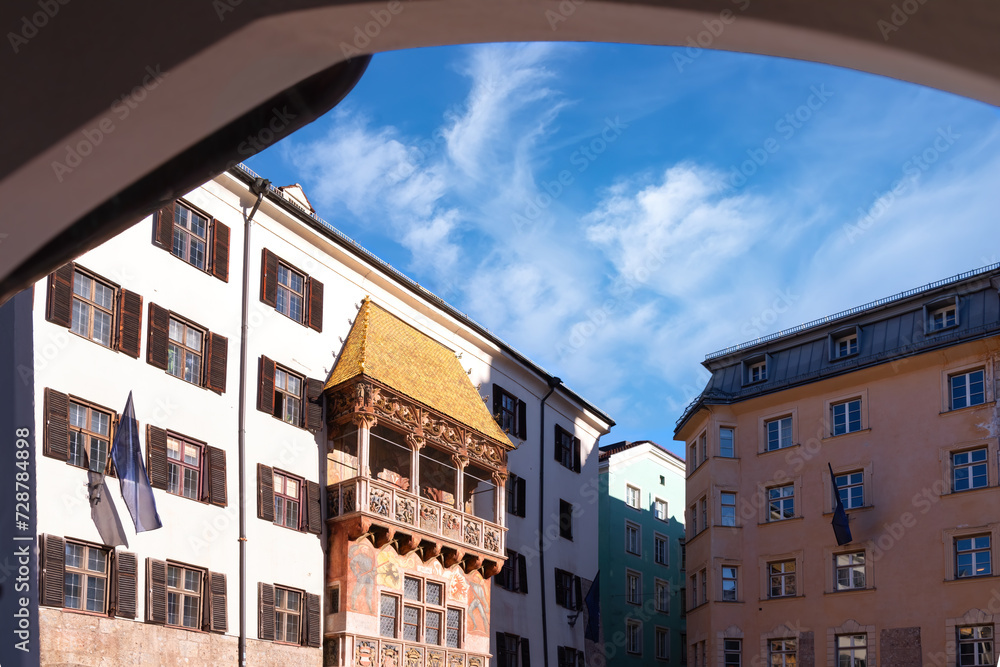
<point>157,311</point>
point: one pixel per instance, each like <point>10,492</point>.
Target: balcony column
<point>460,463</point>
<point>416,443</point>
<point>365,423</point>
<point>500,508</point>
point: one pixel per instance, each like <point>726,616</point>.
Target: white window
<point>757,372</point>
<point>633,544</point>
<point>660,549</point>
<point>632,495</point>
<point>662,596</point>
<point>781,502</point>
<point>660,509</point>
<point>972,556</point>
<point>732,653</point>
<point>942,318</point>
<point>851,488</point>
<point>969,470</point>
<point>727,442</point>
<point>846,416</point>
<point>633,637</point>
<point>967,389</point>
<point>849,570</point>
<point>782,653</point>
<point>781,579</point>
<point>845,346</point>
<point>975,646</point>
<point>704,512</point>
<point>852,650</point>
<point>727,511</point>
<point>779,433</point>
<point>730,581</point>
<point>702,448</point>
<point>633,587</point>
<point>184,351</point>
<point>662,644</point>
<point>93,308</point>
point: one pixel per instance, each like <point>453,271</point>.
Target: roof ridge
<point>366,307</point>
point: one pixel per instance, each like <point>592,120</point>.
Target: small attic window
<point>845,343</point>
<point>941,314</point>
<point>754,370</point>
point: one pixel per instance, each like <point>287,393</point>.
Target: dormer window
<point>847,346</point>
<point>845,342</point>
<point>756,370</point>
<point>941,314</point>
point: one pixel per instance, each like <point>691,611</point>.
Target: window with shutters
<point>513,575</point>
<point>89,436</point>
<point>184,590</point>
<point>290,397</point>
<point>185,467</point>
<point>512,650</point>
<point>291,292</point>
<point>94,308</point>
<point>567,656</point>
<point>288,500</point>
<point>565,520</point>
<point>287,615</point>
<point>86,577</point>
<point>515,495</point>
<point>194,237</point>
<point>287,490</point>
<point>568,590</point>
<point>186,350</point>
<point>567,449</point>
<point>510,413</point>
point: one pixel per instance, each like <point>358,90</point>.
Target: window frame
<point>851,649</point>
<point>732,441</point>
<point>86,574</point>
<point>779,431</point>
<point>755,370</point>
<point>781,501</point>
<point>300,614</point>
<point>185,593</point>
<point>637,531</point>
<point>976,641</point>
<point>973,549</point>
<point>397,601</point>
<point>182,465</point>
<point>970,466</point>
<point>846,428</point>
<point>724,520</point>
<point>968,382</point>
<point>183,347</point>
<point>661,539</point>
<point>734,578</point>
<point>633,637</point>
<point>90,409</point>
<point>284,394</point>
<point>662,650</point>
<point>851,567</point>
<point>784,576</point>
<point>286,497</point>
<point>281,288</point>
<point>515,487</point>
<point>661,595</point>
<point>631,491</point>
<point>188,234</point>
<point>730,646</point>
<point>941,307</point>
<point>92,305</point>
<point>849,504</point>
<point>565,520</point>
<point>663,516</point>
<point>567,445</point>
<point>633,594</point>
<point>789,646</point>
<point>459,632</point>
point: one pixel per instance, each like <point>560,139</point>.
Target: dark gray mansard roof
<point>888,329</point>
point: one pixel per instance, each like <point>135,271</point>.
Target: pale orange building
<point>899,397</point>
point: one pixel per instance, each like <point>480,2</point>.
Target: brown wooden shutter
<point>265,611</point>
<point>579,593</point>
<point>220,251</point>
<point>159,331</point>
<point>156,455</point>
<point>59,301</point>
<point>216,473</point>
<point>52,570</point>
<point>313,622</point>
<point>269,278</point>
<point>265,492</point>
<point>56,436</point>
<point>522,420</point>
<point>520,485</point>
<point>163,227</point>
<point>497,402</point>
<point>218,618</point>
<point>156,598</point>
<point>111,470</point>
<point>522,573</point>
<point>215,367</point>
<point>129,323</point>
<point>501,651</point>
<point>576,454</point>
<point>265,386</point>
<point>314,405</point>
<point>314,508</point>
<point>559,440</point>
<point>525,653</point>
<point>315,291</point>
<point>126,582</point>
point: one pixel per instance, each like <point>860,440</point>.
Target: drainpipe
<point>553,383</point>
<point>259,188</point>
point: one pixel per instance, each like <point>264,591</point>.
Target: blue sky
<point>616,214</point>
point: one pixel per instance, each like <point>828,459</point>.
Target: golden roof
<point>386,349</point>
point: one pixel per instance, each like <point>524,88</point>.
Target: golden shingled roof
<point>387,349</point>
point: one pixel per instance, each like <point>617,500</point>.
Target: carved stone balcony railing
<point>352,650</point>
<point>398,511</point>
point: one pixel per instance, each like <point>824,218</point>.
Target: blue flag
<point>841,524</point>
<point>593,600</point>
<point>127,454</point>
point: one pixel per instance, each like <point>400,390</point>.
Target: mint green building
<point>641,554</point>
